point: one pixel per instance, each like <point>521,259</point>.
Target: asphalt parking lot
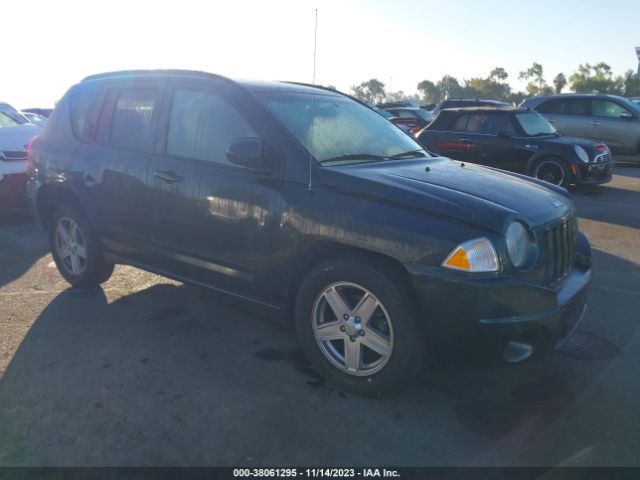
<point>148,371</point>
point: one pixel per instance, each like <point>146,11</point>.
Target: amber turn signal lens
<point>458,259</point>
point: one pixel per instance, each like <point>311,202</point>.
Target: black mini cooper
<point>306,202</point>
<point>519,140</point>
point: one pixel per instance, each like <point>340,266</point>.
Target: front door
<point>215,223</point>
<point>616,126</point>
<point>492,136</point>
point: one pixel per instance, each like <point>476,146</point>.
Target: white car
<point>14,139</point>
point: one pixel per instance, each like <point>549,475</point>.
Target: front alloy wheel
<point>352,329</point>
<point>358,323</point>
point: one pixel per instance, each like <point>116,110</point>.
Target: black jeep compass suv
<point>303,200</point>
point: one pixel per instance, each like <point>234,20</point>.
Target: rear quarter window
<point>82,106</point>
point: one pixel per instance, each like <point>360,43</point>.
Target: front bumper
<point>497,320</point>
<point>594,173</point>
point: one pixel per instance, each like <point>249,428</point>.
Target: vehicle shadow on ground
<point>22,243</point>
<point>519,404</point>
<point>628,170</point>
<point>608,204</point>
<point>171,375</point>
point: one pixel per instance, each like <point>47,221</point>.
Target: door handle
<point>89,181</point>
<point>464,140</point>
<point>167,176</point>
<point>595,123</point>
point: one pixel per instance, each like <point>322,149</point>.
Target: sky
<point>400,42</point>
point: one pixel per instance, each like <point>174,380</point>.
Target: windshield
<point>383,112</point>
<point>535,124</point>
<point>7,121</point>
<point>424,115</point>
<point>633,105</point>
<point>343,130</point>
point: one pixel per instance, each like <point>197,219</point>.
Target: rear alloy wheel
<point>357,322</point>
<point>70,246</point>
<point>76,249</point>
<point>552,170</point>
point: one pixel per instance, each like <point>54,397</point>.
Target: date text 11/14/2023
<point>315,473</point>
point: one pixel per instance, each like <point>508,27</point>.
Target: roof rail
<point>125,73</point>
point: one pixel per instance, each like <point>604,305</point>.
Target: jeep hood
<point>485,197</point>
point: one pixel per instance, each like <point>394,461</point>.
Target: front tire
<point>357,322</point>
<point>76,249</point>
<point>553,170</point>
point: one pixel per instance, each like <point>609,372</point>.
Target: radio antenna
<point>313,96</point>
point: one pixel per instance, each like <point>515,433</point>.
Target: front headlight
<point>477,255</point>
<point>581,153</point>
<point>518,243</point>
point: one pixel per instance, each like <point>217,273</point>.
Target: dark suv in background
<point>467,102</point>
<point>607,118</point>
<point>384,255</point>
<point>519,140</point>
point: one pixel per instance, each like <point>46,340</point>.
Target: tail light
<point>29,148</point>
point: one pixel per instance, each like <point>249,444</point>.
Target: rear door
<point>214,222</point>
<point>619,133</point>
<point>114,165</point>
<point>570,116</point>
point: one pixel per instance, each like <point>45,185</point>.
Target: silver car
<point>607,118</point>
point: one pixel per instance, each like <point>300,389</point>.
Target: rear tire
<point>76,249</point>
<point>553,170</point>
<point>377,343</point>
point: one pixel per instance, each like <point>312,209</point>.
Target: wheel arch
<point>49,196</point>
<point>324,250</point>
<point>534,159</point>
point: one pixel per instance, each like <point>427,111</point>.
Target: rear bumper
<point>594,174</point>
<point>496,320</point>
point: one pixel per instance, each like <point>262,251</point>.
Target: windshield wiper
<point>353,156</point>
<point>544,134</point>
<point>410,153</point>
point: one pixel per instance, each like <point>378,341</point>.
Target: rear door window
<point>564,106</point>
<point>131,123</point>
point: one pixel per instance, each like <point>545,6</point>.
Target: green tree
<point>631,84</point>
<point>430,93</point>
<point>494,87</point>
<point>596,78</point>
<point>449,86</point>
<point>536,83</point>
<point>498,73</point>
<point>559,82</point>
<point>371,91</point>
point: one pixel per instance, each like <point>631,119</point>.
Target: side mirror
<point>252,153</point>
<point>626,116</point>
<point>503,134</point>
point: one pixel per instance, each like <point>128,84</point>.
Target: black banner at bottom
<point>404,473</point>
